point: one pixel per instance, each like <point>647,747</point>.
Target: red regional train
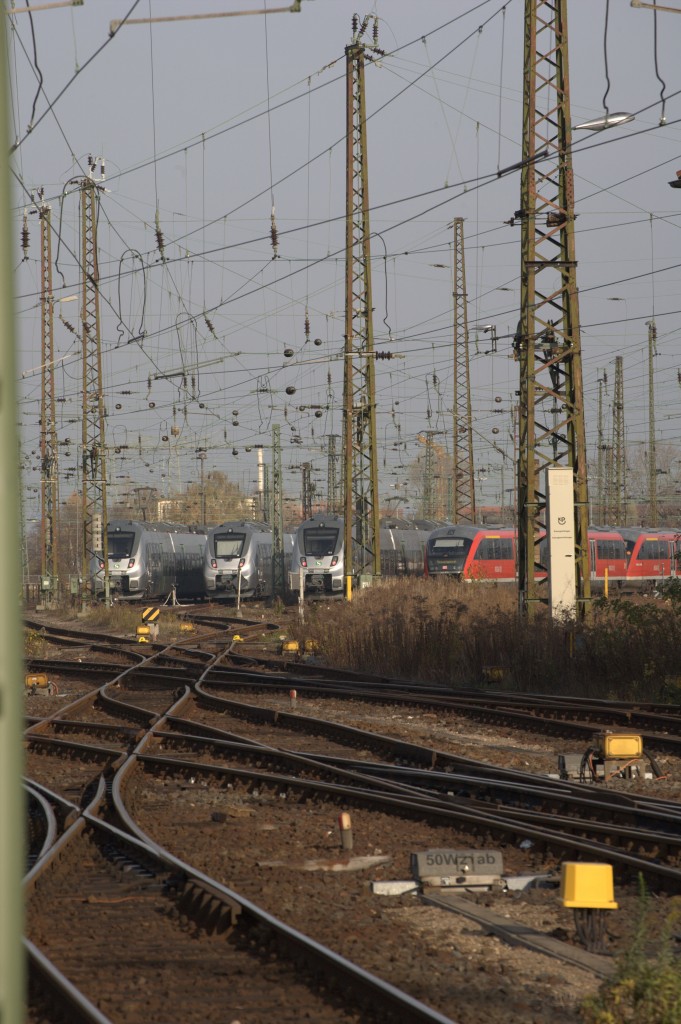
<point>488,553</point>
<point>651,554</point>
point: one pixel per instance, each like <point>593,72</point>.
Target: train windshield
<point>120,544</point>
<point>320,541</point>
<point>451,550</point>
<point>229,545</point>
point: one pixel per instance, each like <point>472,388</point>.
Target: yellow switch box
<point>622,745</point>
<point>587,885</point>
<point>37,679</point>
<point>290,647</point>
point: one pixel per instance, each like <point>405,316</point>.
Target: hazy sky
<point>210,123</point>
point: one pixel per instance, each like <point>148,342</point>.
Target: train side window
<point>653,549</point>
<point>610,549</point>
<point>494,549</point>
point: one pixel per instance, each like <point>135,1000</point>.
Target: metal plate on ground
<point>458,867</point>
<point>516,933</point>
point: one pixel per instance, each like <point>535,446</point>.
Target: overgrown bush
<point>646,987</point>
<point>465,633</point>
<point>35,645</point>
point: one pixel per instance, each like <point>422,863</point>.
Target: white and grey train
<point>239,561</point>
<point>151,561</point>
<point>318,549</point>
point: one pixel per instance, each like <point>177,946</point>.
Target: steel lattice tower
<point>266,494</point>
<point>548,344</point>
<point>600,510</point>
<point>609,486</point>
<point>618,450</point>
<point>307,489</point>
<point>332,502</point>
<point>277,515</point>
<point>94,512</point>
<point>462,445</point>
<point>359,401</point>
<point>652,443</point>
<point>49,460</point>
<point>428,477</point>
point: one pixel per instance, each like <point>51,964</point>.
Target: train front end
<point>317,558</point>
<point>127,571</point>
<point>230,566</point>
<point>446,553</point>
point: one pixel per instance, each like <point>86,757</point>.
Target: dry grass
<point>120,620</point>
<point>472,635</point>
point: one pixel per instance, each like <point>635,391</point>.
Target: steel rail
<point>74,1004</point>
<point>482,711</point>
<point>48,820</point>
<point>372,988</point>
<point>517,797</point>
<point>476,820</point>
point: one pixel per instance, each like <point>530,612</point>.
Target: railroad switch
<point>588,889</point>
<point>612,756</point>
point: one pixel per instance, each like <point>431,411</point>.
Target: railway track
<point>660,725</point>
<point>113,917</point>
<point>225,748</point>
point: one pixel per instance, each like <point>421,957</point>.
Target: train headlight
<point>334,560</point>
<point>303,562</point>
<point>242,562</point>
<point>101,565</point>
<point>131,563</point>
<point>213,563</point>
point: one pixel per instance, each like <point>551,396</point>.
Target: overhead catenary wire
<point>17,145</point>
<point>306,262</point>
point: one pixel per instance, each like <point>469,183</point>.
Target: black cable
<point>340,140</point>
<point>71,80</point>
<point>38,72</point>
<point>663,119</point>
<point>407,220</point>
<point>654,764</point>
<point>605,58</point>
<point>292,99</point>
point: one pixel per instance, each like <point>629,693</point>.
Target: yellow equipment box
<point>587,885</point>
<point>622,744</point>
<point>38,679</point>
